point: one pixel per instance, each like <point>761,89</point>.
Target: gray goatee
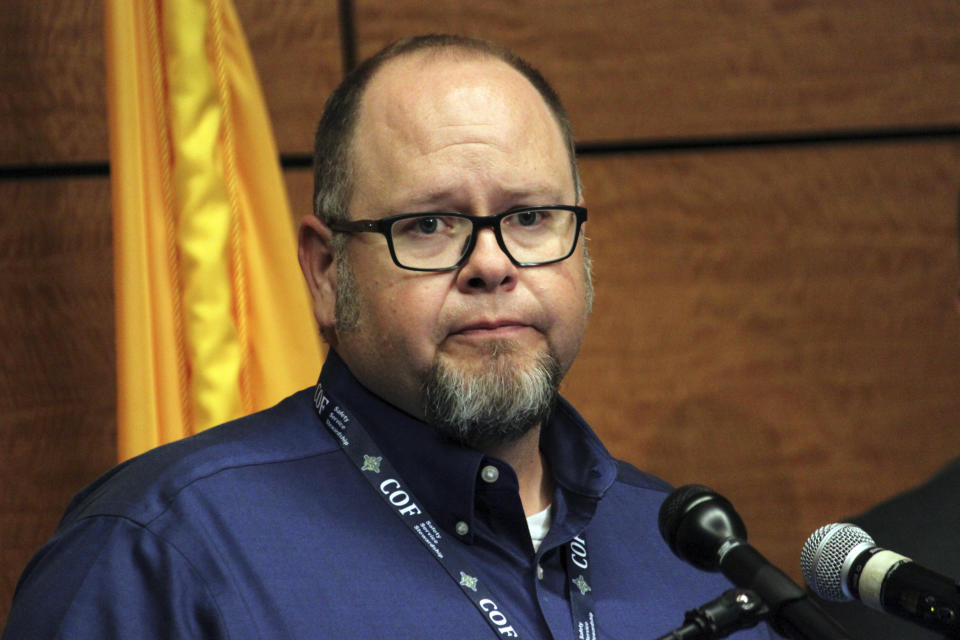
<point>497,404</point>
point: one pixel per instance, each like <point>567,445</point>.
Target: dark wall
<point>773,189</point>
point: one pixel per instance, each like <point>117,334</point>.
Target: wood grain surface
<point>53,74</point>
<point>297,51</point>
<point>57,367</point>
<point>52,82</point>
<point>664,69</point>
<point>654,70</point>
<point>780,325</point>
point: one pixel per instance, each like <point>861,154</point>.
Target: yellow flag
<point>213,318</point>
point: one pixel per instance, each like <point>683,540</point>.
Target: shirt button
<point>490,473</point>
<point>462,528</point>
<point>539,572</point>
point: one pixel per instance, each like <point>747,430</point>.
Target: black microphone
<point>701,527</point>
<point>841,562</point>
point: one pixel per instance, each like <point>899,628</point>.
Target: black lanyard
<point>384,480</point>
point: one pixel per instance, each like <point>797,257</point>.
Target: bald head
<point>437,113</point>
<point>334,165</point>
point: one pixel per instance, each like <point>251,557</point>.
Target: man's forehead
<point>422,65</point>
<point>427,117</point>
<point>427,87</point>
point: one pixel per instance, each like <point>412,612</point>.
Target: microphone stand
<point>733,611</point>
<point>702,528</point>
<point>792,614</point>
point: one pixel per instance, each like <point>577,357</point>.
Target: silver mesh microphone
<point>841,562</point>
<point>826,557</point>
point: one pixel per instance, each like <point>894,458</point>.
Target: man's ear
<point>318,263</point>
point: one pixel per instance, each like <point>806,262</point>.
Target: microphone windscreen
<point>824,554</point>
<point>697,522</point>
<point>673,509</point>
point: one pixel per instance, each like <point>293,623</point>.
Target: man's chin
<point>494,397</point>
<point>481,356</point>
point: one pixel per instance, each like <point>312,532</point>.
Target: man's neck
<point>533,475</point>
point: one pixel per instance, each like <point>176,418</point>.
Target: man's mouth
<point>495,328</point>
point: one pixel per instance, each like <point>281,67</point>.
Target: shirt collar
<point>444,475</point>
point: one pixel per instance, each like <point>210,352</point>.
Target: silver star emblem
<point>582,585</point>
<point>468,581</point>
<point>371,463</point>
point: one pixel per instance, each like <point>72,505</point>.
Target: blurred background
<point>773,189</point>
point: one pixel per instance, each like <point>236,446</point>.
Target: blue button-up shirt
<point>263,528</point>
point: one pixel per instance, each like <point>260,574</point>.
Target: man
<point>433,484</point>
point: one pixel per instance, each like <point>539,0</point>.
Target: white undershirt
<point>539,524</point>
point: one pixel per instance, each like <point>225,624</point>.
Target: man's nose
<point>487,267</point>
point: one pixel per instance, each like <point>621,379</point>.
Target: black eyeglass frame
<point>383,226</point>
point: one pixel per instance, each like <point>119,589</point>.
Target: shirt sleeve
<point>109,577</point>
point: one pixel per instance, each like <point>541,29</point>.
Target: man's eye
<point>528,218</point>
<point>417,226</point>
<point>427,225</point>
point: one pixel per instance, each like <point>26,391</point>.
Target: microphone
<point>841,562</point>
<point>702,528</point>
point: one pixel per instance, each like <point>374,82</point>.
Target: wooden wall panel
<point>53,74</point>
<point>778,324</point>
<point>52,82</point>
<point>296,48</point>
<point>659,69</point>
<point>57,365</point>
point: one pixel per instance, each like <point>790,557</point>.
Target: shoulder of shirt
<point>630,475</point>
<point>620,472</point>
<point>143,487</point>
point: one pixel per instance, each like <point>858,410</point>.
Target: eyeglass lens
<point>436,241</point>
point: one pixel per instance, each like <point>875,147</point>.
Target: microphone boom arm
<point>792,613</point>
<point>702,528</point>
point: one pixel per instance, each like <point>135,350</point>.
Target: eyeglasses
<point>440,241</point>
